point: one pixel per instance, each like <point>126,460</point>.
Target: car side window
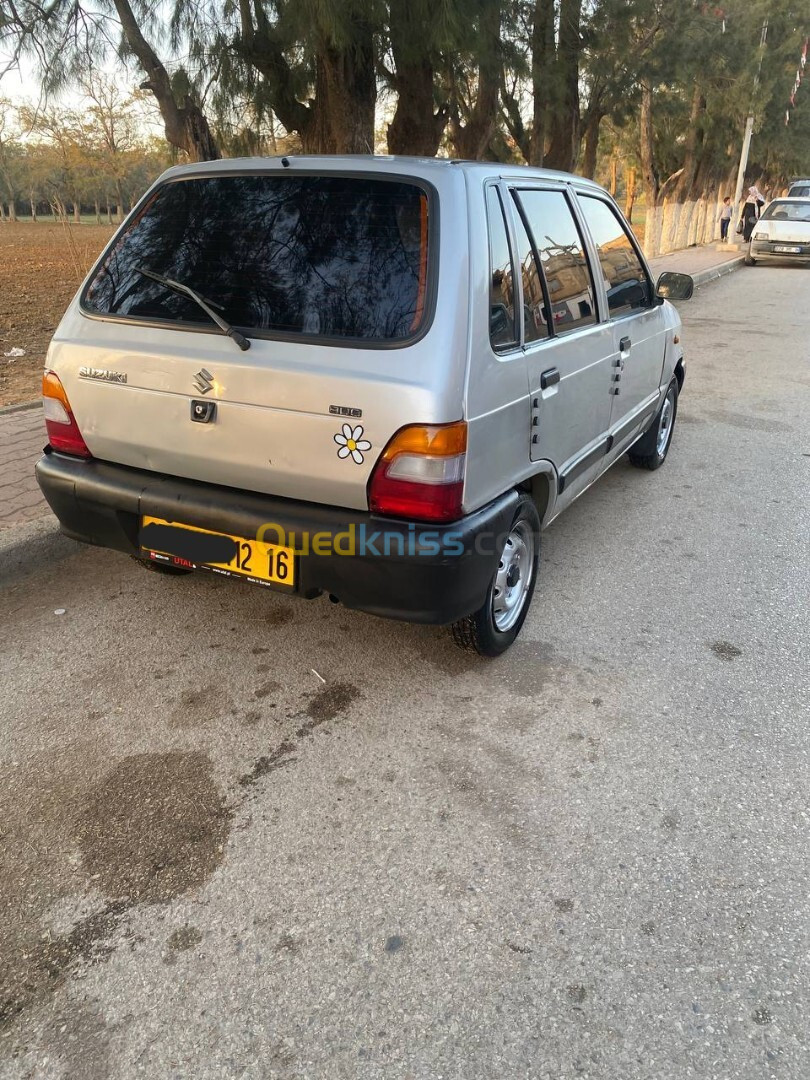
<point>626,283</point>
<point>559,244</point>
<point>503,330</point>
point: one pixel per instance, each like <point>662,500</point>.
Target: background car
<point>783,232</point>
<point>799,189</point>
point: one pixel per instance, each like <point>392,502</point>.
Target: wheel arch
<point>680,374</point>
<point>542,486</point>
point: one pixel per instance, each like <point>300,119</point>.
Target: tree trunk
<point>340,116</point>
<point>565,119</point>
<point>33,202</point>
<point>186,127</point>
<point>417,125</point>
<point>692,144</point>
<point>77,211</point>
<point>630,194</point>
<point>98,210</point>
<point>109,213</point>
<point>12,210</point>
<point>542,63</point>
<point>473,138</point>
<point>646,149</point>
<point>595,118</point>
<point>350,83</point>
<point>119,201</point>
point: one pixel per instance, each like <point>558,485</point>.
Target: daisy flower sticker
<point>351,441</point>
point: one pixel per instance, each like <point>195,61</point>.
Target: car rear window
<point>787,211</point>
<point>309,256</point>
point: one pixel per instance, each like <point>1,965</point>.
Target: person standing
<point>725,218</point>
<point>751,209</point>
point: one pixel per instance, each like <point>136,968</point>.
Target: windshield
<point>781,210</point>
<point>319,257</point>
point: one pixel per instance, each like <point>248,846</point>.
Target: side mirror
<point>673,286</point>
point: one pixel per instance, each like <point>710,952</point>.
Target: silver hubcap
<point>514,576</point>
<point>665,423</point>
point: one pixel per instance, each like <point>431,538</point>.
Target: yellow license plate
<point>175,544</point>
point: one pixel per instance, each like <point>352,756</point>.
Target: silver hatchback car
<point>374,378</point>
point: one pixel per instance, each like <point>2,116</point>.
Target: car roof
<point>395,164</point>
<point>791,199</point>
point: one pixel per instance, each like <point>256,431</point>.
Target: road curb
<point>712,273</point>
<point>7,409</point>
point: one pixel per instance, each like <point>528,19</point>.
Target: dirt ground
<point>41,266</point>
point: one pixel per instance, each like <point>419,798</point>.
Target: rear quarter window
<point>309,256</point>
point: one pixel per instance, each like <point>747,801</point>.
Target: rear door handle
<point>549,378</point>
<point>624,344</point>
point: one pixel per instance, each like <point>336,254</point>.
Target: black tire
<point>480,631</point>
<point>646,454</point>
<point>162,568</point>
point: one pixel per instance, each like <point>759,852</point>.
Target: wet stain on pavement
<point>288,944</point>
<point>393,943</point>
<point>278,759</point>
<point>747,423</point>
<point>198,705</point>
<point>725,650</point>
<point>154,828</point>
<point>762,1015</point>
<point>564,905</point>
<point>54,957</point>
<point>184,938</point>
<point>266,689</point>
<point>327,704</point>
<point>577,993</point>
<point>279,616</point>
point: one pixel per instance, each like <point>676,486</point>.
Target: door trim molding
<point>582,464</point>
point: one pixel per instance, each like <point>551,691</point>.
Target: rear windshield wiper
<point>200,301</point>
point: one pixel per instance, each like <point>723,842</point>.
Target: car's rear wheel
<point>650,452</point>
<point>492,629</point>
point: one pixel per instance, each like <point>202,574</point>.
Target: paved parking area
<point>22,436</point>
<point>245,836</point>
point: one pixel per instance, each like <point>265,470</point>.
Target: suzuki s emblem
<point>203,381</point>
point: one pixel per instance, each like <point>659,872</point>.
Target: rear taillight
<point>63,431</point>
<point>420,475</point>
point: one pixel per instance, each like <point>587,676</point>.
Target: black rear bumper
<point>430,573</point>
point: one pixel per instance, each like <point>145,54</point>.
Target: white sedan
<point>783,232</point>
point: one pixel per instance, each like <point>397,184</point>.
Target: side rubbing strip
<point>584,463</point>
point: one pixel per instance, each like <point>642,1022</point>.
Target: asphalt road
<point>586,859</point>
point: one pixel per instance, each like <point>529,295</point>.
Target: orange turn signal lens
<point>437,440</point>
<point>52,388</point>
